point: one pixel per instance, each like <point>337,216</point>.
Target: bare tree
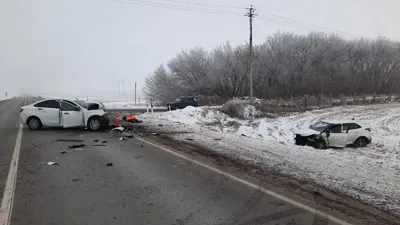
<point>285,65</point>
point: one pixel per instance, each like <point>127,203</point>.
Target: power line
<point>179,7</point>
<point>310,28</point>
<point>204,4</point>
<point>286,19</point>
<point>279,19</point>
<point>306,26</point>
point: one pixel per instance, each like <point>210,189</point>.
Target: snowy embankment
<point>370,174</point>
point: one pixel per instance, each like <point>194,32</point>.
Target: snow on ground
<point>371,174</point>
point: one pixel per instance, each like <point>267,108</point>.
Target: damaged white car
<point>62,113</point>
<point>330,133</point>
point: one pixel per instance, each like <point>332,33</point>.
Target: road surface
<point>144,185</point>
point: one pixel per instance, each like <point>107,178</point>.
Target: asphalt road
<point>145,185</point>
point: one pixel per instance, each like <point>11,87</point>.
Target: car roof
<point>340,121</point>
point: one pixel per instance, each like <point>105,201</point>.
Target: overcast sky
<point>78,46</point>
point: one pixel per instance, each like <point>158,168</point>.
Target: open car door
<point>71,115</point>
<point>337,137</point>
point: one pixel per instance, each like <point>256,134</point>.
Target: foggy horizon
<point>82,48</point>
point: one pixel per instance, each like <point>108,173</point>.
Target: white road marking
<point>9,190</point>
<point>252,185</point>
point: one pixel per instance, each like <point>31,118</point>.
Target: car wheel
<point>320,145</point>
<point>34,123</point>
<point>95,124</point>
<point>360,142</point>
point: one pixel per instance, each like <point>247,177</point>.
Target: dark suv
<point>182,102</point>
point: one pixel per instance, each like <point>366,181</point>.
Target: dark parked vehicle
<point>182,102</point>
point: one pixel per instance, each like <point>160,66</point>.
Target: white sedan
<point>62,113</point>
<point>334,133</point>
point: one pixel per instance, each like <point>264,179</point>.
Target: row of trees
<point>285,65</point>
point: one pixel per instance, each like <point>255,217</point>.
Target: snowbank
<point>371,174</point>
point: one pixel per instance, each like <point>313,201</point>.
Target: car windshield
<point>320,126</point>
<point>82,103</point>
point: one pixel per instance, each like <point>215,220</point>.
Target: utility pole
<point>119,89</point>
<point>135,92</point>
<point>123,88</point>
<point>251,14</point>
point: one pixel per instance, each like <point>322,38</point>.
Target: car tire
<point>320,145</point>
<point>34,123</point>
<point>95,123</point>
<point>360,142</point>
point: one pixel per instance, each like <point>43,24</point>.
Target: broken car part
<point>77,146</point>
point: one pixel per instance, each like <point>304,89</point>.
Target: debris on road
<point>105,141</point>
<point>130,118</point>
<point>122,139</point>
<point>69,140</point>
<point>138,157</point>
<point>53,163</point>
<point>155,134</point>
<point>99,145</point>
<point>110,164</point>
<point>120,129</point>
<point>244,135</point>
<point>63,152</point>
<point>95,140</point>
<point>217,139</point>
<point>189,139</point>
<point>160,125</point>
<point>76,179</point>
<point>77,146</point>
<point>128,135</point>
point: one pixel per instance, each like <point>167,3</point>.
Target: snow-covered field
<point>371,174</point>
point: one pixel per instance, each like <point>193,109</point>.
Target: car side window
<point>72,103</point>
<point>53,104</point>
<point>336,129</point>
<point>48,104</point>
<point>41,104</point>
<point>352,126</point>
<point>68,107</point>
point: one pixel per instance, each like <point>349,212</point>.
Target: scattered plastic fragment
<point>63,152</point>
<point>77,146</point>
<point>120,129</point>
<point>189,139</point>
<point>128,135</point>
<point>122,139</point>
<point>110,164</point>
<point>53,163</point>
<point>95,140</point>
<point>104,142</point>
<point>70,140</point>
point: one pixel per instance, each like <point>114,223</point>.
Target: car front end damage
<point>314,140</point>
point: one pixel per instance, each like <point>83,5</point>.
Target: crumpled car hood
<point>306,132</point>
